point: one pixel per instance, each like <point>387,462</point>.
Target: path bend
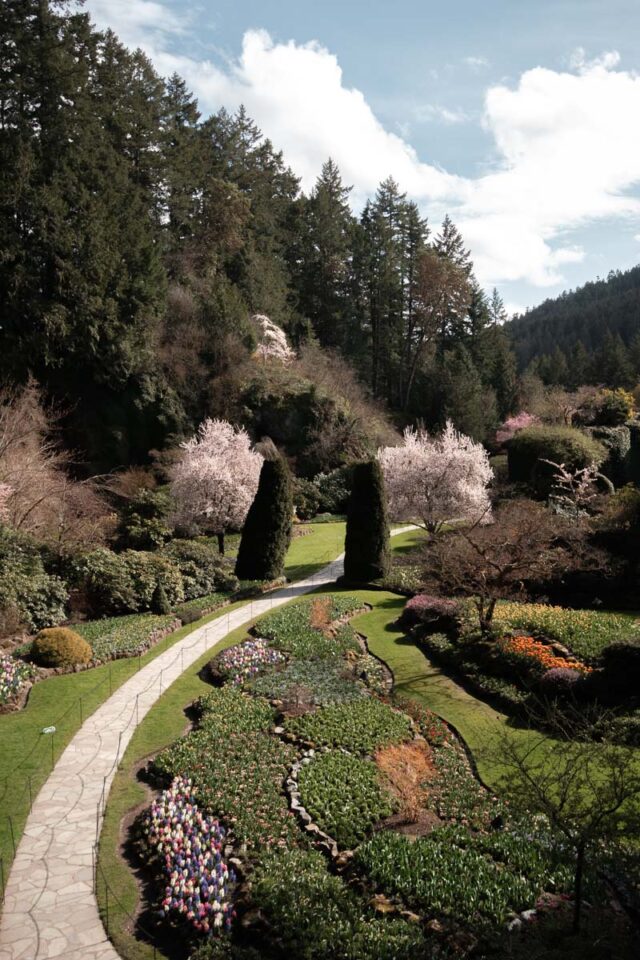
<point>50,908</point>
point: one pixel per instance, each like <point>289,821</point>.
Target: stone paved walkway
<point>50,909</point>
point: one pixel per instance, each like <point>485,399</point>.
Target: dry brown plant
<point>407,767</point>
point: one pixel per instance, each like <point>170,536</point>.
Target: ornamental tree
<point>215,480</point>
<point>267,531</point>
<point>432,480</point>
<point>511,425</point>
<point>366,555</point>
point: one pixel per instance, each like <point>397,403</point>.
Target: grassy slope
<point>26,754</point>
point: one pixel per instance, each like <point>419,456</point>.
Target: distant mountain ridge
<point>585,314</point>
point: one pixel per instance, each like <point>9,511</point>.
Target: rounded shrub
<point>613,407</point>
<point>559,682</point>
<point>202,568</point>
<point>333,489</point>
<point>60,647</point>
<point>438,612</point>
<point>567,445</point>
<point>621,665</point>
<point>306,498</point>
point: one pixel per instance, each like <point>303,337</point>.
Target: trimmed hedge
<point>561,444</point>
<point>366,555</point>
<point>267,530</point>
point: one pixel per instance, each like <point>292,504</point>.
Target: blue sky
<point>519,119</point>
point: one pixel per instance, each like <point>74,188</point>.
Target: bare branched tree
<point>589,791</point>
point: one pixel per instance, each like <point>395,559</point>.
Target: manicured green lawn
<point>27,755</point>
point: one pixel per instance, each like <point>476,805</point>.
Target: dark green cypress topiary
<point>367,541</point>
<point>267,530</point>
<point>159,602</point>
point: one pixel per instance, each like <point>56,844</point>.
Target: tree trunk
<point>577,887</point>
<point>221,544</point>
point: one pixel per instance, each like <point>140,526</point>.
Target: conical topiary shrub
<point>159,602</point>
<point>267,530</point>
<point>366,555</point>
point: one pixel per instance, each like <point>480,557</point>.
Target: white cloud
<point>636,236</point>
<point>566,151</point>
<point>476,63</point>
<point>432,111</point>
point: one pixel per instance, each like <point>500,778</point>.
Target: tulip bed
<point>432,875</point>
<point>291,629</point>
<point>246,660</point>
<point>344,796</point>
<point>360,727</point>
<point>189,848</point>
<point>13,675</point>
<point>125,636</point>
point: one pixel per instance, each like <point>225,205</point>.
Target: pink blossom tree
<point>432,480</point>
<point>215,480</point>
<point>512,424</point>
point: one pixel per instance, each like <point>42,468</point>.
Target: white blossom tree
<point>272,344</point>
<point>431,480</point>
<point>215,480</point>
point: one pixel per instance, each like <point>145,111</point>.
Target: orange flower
<point>528,648</point>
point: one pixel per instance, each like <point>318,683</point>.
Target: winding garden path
<point>50,909</point>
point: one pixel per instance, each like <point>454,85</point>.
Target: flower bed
<point>310,682</point>
<point>189,847</point>
<point>237,769</point>
<point>13,676</point>
<point>359,727</point>
<point>127,636</point>
<point>194,610</point>
<point>532,658</point>
<point>245,661</point>
<point>585,632</point>
<point>344,796</point>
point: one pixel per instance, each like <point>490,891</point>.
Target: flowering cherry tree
<point>215,480</point>
<point>273,344</point>
<point>432,480</point>
<point>512,424</point>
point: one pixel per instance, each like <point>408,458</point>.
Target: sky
<point>518,118</point>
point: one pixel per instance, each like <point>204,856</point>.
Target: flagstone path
<point>50,909</point>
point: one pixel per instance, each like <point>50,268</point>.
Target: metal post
<point>110,682</point>
<point>106,898</point>
<point>52,750</point>
<point>2,877</point>
<point>30,796</point>
<point>80,702</point>
<point>137,709</point>
<point>13,839</point>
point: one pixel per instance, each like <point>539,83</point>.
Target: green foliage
<point>60,647</point>
<point>367,539</point>
<point>126,582</point>
<point>360,727</point>
<point>344,796</point>
<point>267,530</point>
<point>29,596</point>
<point>617,443</point>
<point>143,521</point>
<point>202,568</point>
<point>159,602</point>
<point>311,681</point>
<point>126,636</point>
<point>317,915</point>
<point>559,444</point>
<point>334,489</point>
<point>290,629</point>
<point>585,632</point>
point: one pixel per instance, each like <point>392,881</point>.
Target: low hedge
<point>60,647</point>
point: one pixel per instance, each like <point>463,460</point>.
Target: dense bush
<point>143,520</point>
<point>366,555</point>
<point>621,662</point>
<point>360,727</point>
<point>266,534</point>
<point>126,582</point>
<point>617,443</point>
<point>29,596</point>
<point>201,566</point>
<point>612,407</point>
<point>306,498</point>
<point>344,796</point>
<point>566,445</point>
<point>334,489</point>
<point>60,647</point>
<point>559,682</point>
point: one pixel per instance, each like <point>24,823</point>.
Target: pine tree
<point>267,530</point>
<point>366,555</point>
<point>612,366</point>
<point>579,366</point>
<point>468,403</point>
<point>450,245</point>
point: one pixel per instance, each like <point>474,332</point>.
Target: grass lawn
<point>27,755</point>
